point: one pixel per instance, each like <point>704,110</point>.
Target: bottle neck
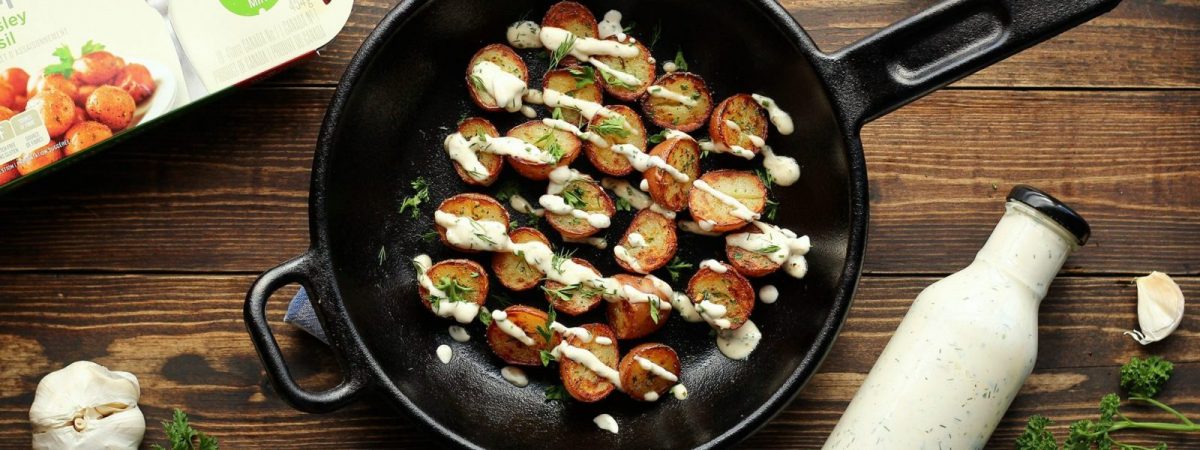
<point>1028,246</point>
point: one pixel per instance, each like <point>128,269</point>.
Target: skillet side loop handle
<point>300,270</point>
<point>943,44</point>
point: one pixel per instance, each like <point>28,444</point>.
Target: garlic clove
<point>1160,308</point>
<point>87,406</point>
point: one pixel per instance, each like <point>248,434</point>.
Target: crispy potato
<point>469,274</point>
<point>729,289</point>
<point>6,113</point>
<point>54,82</point>
<point>684,155</point>
<point>579,82</point>
<point>581,382</point>
<point>33,161</point>
<point>742,185</point>
<point>512,270</point>
<point>641,66</point>
<point>535,132</point>
<point>57,110</point>
<point>749,262</point>
<point>637,382</point>
<point>494,163</point>
<point>80,117</point>
<point>8,172</point>
<point>659,234</point>
<point>82,94</point>
<point>8,95</point>
<point>572,17</point>
<point>582,298</point>
<point>111,106</point>
<point>500,55</point>
<point>750,118</point>
<point>606,160</point>
<point>669,113</point>
<point>97,68</point>
<point>18,78</point>
<point>476,206</point>
<point>513,351</point>
<point>633,320</point>
<point>85,134</point>
<point>137,81</point>
<point>593,200</point>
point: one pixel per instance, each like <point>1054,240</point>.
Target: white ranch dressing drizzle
<point>584,48</point>
<point>694,227</point>
<point>558,205</point>
<point>602,340</point>
<point>644,185</point>
<point>622,254</point>
<point>796,266</point>
<point>714,265</point>
<point>707,225</point>
<point>714,314</point>
<point>500,318</point>
<point>460,151</point>
<point>739,209</point>
<point>780,118</point>
<point>768,294</point>
<point>611,26</point>
<point>606,423</point>
<point>739,343</point>
<point>623,77</point>
<point>465,152</point>
<point>650,396</point>
<point>756,140</point>
<point>670,67</point>
<point>672,134</point>
<point>643,162</point>
<point>667,94</point>
<point>578,332</point>
<point>465,232</point>
<point>598,242</point>
<point>680,391</point>
<point>636,198</point>
<point>463,312</point>
<point>524,34</point>
<point>521,205</point>
<point>783,169</point>
<point>588,109</point>
<point>444,353</point>
<point>736,150</point>
<point>636,240</point>
<point>589,136</point>
<point>505,88</point>
<point>533,97</point>
<point>589,360</point>
<point>528,112</point>
<point>788,247</point>
<point>459,333</point>
<point>656,369</point>
<point>686,309</point>
<point>514,375</point>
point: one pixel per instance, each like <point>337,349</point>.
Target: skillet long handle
<point>940,45</point>
<point>302,270</point>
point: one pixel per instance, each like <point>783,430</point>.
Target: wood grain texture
<point>183,336</point>
<point>229,192</point>
<point>1140,44</point>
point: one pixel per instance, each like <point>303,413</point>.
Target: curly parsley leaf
<point>182,436</point>
<point>1145,377</point>
<point>485,317</point>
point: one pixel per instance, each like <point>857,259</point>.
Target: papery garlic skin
<point>1160,308</point>
<point>87,406</point>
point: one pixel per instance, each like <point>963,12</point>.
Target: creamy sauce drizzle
<point>598,242</point>
<point>514,375</point>
<point>756,140</point>
<point>606,423</point>
<point>622,254</point>
<point>670,67</point>
<point>695,228</point>
<point>524,34</point>
<point>589,360</point>
<point>624,77</point>
<point>505,88</point>
<point>739,343</point>
<point>680,391</point>
<point>463,312</point>
<point>656,369</point>
<point>686,309</point>
<point>500,318</point>
<point>710,146</point>
<point>781,245</point>
<point>611,26</point>
<point>589,136</point>
<point>768,294</point>
<point>465,152</point>
<point>588,109</point>
<point>667,94</point>
<point>584,48</point>
<point>643,162</point>
<point>521,205</point>
<point>459,333</point>
<point>714,314</point>
<point>780,118</point>
<point>783,169</point>
<point>739,209</point>
<point>444,353</point>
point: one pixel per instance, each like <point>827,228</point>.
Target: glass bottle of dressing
<point>968,341</point>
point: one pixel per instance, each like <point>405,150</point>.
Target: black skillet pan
<point>404,91</point>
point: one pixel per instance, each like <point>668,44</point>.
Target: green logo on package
<point>248,7</point>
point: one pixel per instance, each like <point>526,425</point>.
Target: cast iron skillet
<point>403,92</point>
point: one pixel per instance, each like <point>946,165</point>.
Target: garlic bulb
<point>1160,308</point>
<point>87,406</point>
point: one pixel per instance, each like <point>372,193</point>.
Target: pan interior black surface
<point>412,93</point>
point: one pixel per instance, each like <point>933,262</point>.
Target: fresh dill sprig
<point>562,51</point>
<point>420,195</point>
<point>611,126</point>
<point>623,204</point>
<point>574,197</point>
<point>676,266</point>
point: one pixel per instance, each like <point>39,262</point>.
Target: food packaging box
<point>76,73</point>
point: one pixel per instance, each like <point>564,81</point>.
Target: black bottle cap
<point>1054,209</point>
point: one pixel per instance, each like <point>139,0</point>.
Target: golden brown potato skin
<point>513,351</point>
<point>494,163</point>
<point>639,66</point>
<point>595,200</point>
<point>97,68</point>
<point>532,132</point>
<point>742,185</point>
<point>684,155</point>
<point>512,270</point>
<point>748,262</point>
<point>582,300</point>
<point>572,17</point>
<point>85,134</point>
<point>461,270</point>
<point>475,206</point>
<point>563,80</point>
<point>661,241</point>
<point>670,114</point>
<point>743,110</point>
<point>32,161</point>
<point>111,106</point>
<point>633,320</point>
<point>729,289</point>
<point>605,159</point>
<point>57,110</point>
<point>137,81</point>
<point>82,94</point>
<point>54,82</point>
<point>581,382</point>
<point>637,381</point>
<point>18,79</point>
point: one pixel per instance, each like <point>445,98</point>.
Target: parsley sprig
<point>546,331</point>
<point>611,126</point>
<point>183,437</point>
<point>584,76</point>
<point>680,62</point>
<point>574,197</point>
<point>66,61</point>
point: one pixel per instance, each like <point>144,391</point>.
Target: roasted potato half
<point>584,195</point>
<point>577,81</point>
<point>574,300</point>
<point>749,262</point>
<point>638,381</point>
<point>744,186</point>
<point>670,112</point>
<point>742,110</point>
<point>475,206</point>
<point>512,270</point>
<point>684,155</point>
<point>658,245</point>
<point>641,66</point>
<point>729,289</point>
<point>581,382</point>
<point>615,132</point>
<point>504,57</point>
<point>634,320</point>
<point>548,139</point>
<point>572,17</point>
<point>458,278</point>
<point>478,126</point>
<point>512,350</point>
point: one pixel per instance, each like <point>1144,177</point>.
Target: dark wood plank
<point>183,336</point>
<point>1142,43</point>
<point>225,189</point>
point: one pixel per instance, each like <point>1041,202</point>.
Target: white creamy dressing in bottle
<point>964,348</point>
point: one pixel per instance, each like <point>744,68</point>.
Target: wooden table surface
<point>139,258</point>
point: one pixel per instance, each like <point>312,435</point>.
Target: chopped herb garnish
<point>770,210</point>
<point>680,62</point>
<point>612,80</point>
<point>612,126</point>
<point>584,76</point>
<point>480,232</point>
<point>557,260</point>
<point>429,237</point>
<point>507,190</point>
<point>629,27</point>
<point>676,266</point>
<point>454,291</point>
<point>478,82</point>
<point>768,249</point>
<point>623,204</point>
<point>766,178</point>
<point>546,331</point>
<point>382,255</point>
<point>556,114</point>
<point>503,299</point>
<point>420,195</point>
<point>485,317</point>
<point>574,197</point>
<point>564,293</point>
<point>547,357</point>
<point>562,51</point>
<point>658,137</point>
<point>556,392</point>
<point>551,145</point>
<point>655,303</point>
